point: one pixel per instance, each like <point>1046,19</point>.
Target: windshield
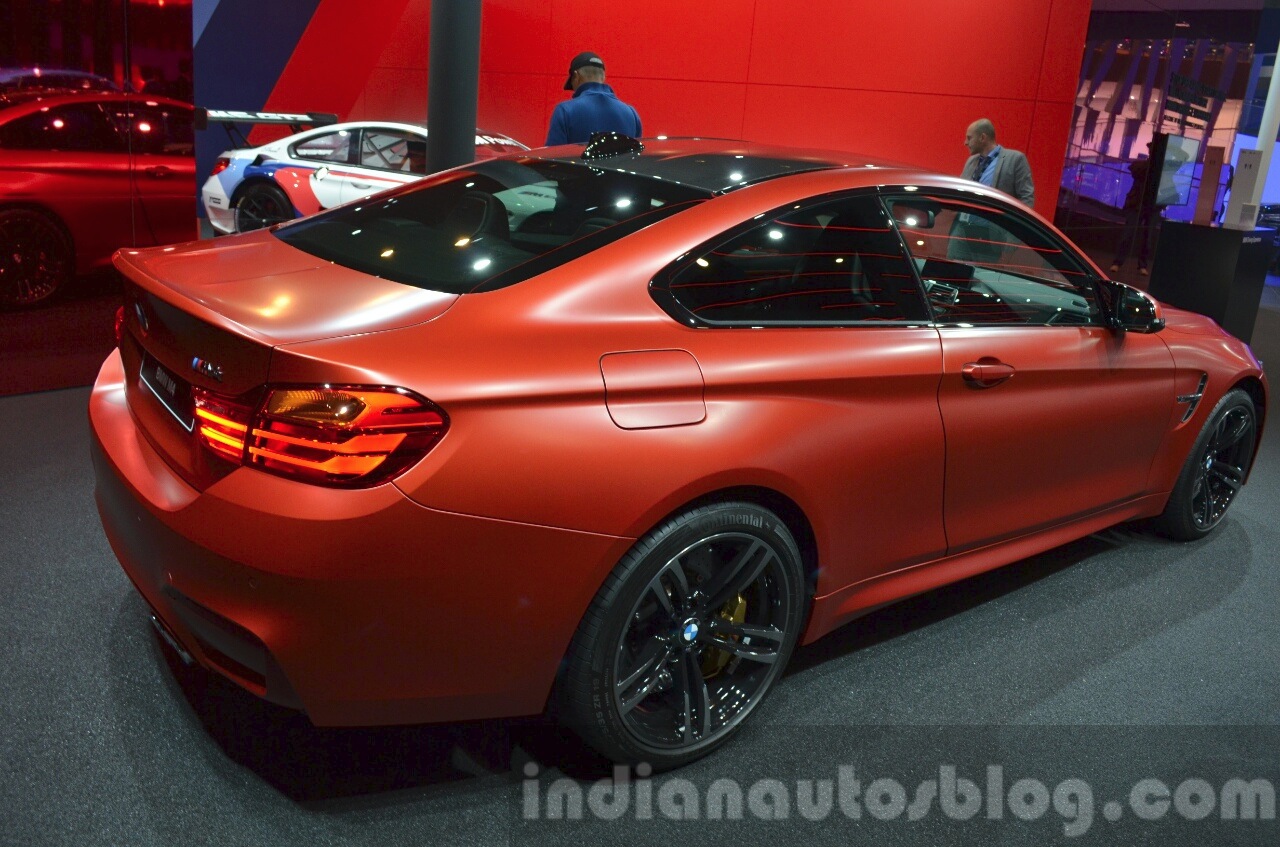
<point>494,224</point>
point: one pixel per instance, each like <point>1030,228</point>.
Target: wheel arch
<point>49,212</point>
<point>58,221</point>
<point>256,179</point>
<point>1257,392</point>
<point>797,522</point>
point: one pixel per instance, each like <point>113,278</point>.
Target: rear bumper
<point>359,607</point>
<point>217,205</point>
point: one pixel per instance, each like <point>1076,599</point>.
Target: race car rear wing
<point>231,119</point>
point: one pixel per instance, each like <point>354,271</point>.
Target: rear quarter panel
<point>842,421</point>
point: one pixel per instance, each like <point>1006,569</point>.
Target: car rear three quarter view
<point>612,431</point>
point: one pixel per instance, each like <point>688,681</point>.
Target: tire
<point>1215,469</point>
<point>36,258</point>
<point>261,204</point>
<point>686,636</point>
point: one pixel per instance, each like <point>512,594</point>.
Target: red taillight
<point>221,165</point>
<point>119,325</point>
<point>221,424</point>
<point>338,436</point>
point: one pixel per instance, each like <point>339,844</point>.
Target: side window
<point>157,130</point>
<point>829,263</point>
<point>79,127</point>
<point>985,265</point>
<point>393,150</point>
<point>334,147</point>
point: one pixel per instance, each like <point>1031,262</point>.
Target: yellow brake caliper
<point>715,659</point>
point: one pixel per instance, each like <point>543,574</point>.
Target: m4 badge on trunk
<point>206,368</point>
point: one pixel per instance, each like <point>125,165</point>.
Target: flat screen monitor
<point>1177,167</point>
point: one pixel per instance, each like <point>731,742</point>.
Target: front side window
<point>491,225</point>
<point>832,262</point>
<point>153,129</point>
<point>79,127</point>
<point>332,147</point>
<point>983,264</point>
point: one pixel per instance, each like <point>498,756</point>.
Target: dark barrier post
<point>453,83</point>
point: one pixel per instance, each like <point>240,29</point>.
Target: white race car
<point>313,170</point>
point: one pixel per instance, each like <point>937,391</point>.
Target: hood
<point>1190,323</point>
<point>275,293</point>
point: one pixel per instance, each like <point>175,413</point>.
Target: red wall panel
<point>899,81</point>
<point>1064,51</point>
<point>681,107</point>
<point>710,40</point>
<point>988,50</point>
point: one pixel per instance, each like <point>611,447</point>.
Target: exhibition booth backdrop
<point>900,81</point>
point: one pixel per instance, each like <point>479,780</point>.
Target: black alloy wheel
<point>1215,470</point>
<point>36,258</point>
<point>261,205</point>
<point>686,637</point>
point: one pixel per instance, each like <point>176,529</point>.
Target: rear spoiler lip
<point>134,265</point>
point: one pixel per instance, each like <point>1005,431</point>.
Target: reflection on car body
<point>320,168</point>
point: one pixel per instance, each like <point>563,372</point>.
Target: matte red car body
<point>104,200</point>
<point>581,415</point>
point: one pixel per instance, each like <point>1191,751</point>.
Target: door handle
<point>362,185</point>
<point>158,171</point>
<point>987,372</point>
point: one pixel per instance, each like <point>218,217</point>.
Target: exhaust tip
<point>169,639</point>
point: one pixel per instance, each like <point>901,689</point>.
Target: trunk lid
<point>207,316</point>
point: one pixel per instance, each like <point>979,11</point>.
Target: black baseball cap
<point>582,60</point>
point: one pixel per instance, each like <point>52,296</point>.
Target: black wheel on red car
<point>36,258</point>
<point>686,636</point>
<point>1215,470</point>
<point>259,205</point>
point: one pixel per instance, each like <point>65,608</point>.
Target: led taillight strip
<point>340,465</point>
<point>223,435</point>
<point>343,453</point>
<point>359,444</point>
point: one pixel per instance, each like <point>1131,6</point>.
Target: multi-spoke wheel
<point>261,205</point>
<point>1215,469</point>
<point>36,258</point>
<point>686,636</point>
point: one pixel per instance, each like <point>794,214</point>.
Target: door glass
<point>986,265</point>
<point>78,127</point>
<point>828,263</point>
<point>332,147</point>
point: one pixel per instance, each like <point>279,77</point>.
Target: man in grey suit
<point>995,166</point>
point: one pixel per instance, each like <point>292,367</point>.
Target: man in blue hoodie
<point>593,108</point>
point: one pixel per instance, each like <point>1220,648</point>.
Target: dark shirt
<point>594,108</point>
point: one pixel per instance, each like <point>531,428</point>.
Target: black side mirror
<point>1131,310</point>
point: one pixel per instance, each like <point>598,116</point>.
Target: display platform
<point>1213,271</point>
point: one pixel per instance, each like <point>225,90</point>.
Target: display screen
<point>1176,171</point>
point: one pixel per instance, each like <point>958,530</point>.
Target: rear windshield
<point>492,225</point>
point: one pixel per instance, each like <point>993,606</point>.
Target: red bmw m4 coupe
<point>613,429</point>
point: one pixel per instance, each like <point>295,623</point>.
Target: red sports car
<point>615,429</point>
<point>83,174</point>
